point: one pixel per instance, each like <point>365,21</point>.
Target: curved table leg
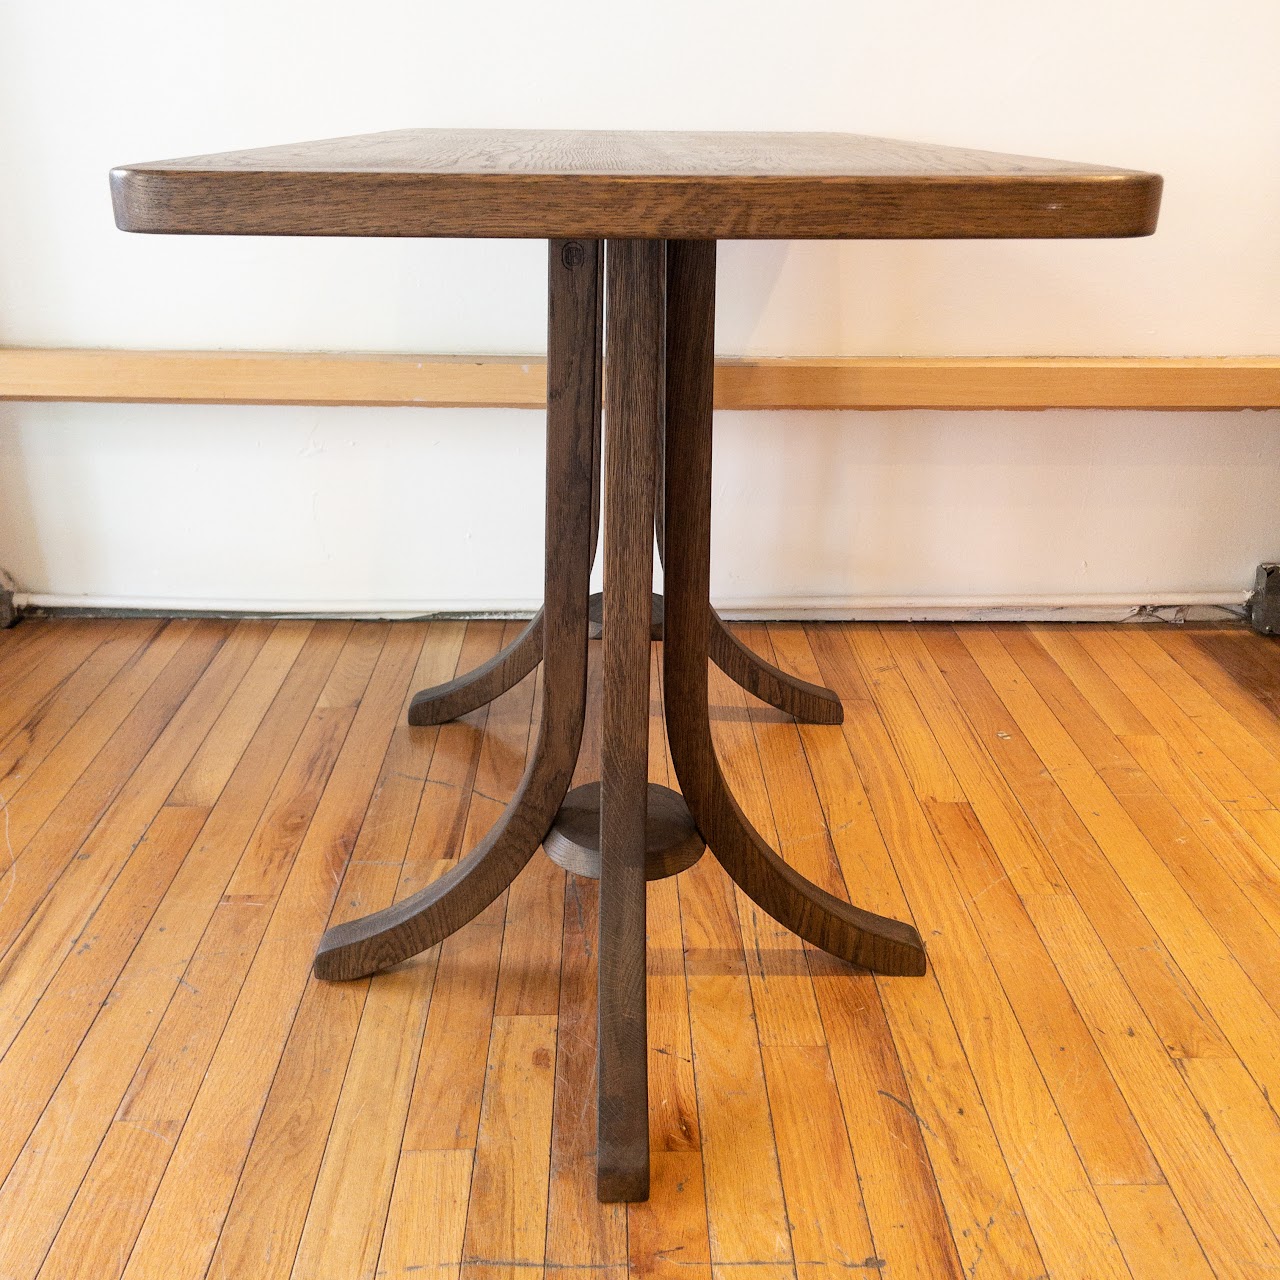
<point>504,671</point>
<point>808,703</point>
<point>876,942</point>
<point>423,919</point>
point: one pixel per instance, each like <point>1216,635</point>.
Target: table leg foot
<point>621,1179</point>
<point>808,703</point>
<point>378,941</point>
<point>384,938</point>
<point>875,942</point>
<point>861,937</point>
<point>504,671</point>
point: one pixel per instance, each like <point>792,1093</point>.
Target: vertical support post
<point>636,281</point>
<point>597,434</point>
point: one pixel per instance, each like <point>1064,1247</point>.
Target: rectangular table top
<point>533,183</point>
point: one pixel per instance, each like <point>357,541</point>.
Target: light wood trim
<point>519,382</point>
<point>272,377</point>
<point>1225,382</point>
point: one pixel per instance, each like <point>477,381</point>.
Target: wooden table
<point>660,201</point>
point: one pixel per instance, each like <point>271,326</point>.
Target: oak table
<point>660,201</point>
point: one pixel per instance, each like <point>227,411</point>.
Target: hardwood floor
<point>1084,823</point>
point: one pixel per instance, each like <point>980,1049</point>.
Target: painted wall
<point>404,509</point>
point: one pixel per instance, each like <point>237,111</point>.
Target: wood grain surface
<point>503,671</point>
<point>805,701</point>
<point>671,841</point>
<point>635,272</point>
<point>550,183</point>
<point>182,1099</point>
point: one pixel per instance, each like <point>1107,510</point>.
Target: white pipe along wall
<point>406,511</point>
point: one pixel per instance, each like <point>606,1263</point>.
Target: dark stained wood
<point>635,278</point>
<point>563,183</point>
<point>887,946</point>
<point>671,841</point>
<point>503,671</point>
<point>386,937</point>
<point>808,703</point>
<point>595,611</point>
<point>597,435</point>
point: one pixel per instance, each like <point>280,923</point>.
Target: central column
<point>636,281</point>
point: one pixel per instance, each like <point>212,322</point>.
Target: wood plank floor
<point>1084,823</point>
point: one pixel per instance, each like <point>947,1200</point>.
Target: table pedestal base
<point>660,322</point>
<point>671,840</point>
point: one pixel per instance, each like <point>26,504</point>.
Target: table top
<point>517,183</point>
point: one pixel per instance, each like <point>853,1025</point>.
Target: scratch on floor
<point>671,1053</point>
<point>155,1133</point>
<point>764,977</point>
<point>908,1108</point>
<point>408,777</point>
<point>987,888</point>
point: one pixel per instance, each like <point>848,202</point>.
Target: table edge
<point>1116,203</point>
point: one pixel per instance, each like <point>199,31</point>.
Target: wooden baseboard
<point>519,382</point>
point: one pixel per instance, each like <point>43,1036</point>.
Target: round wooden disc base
<point>672,842</point>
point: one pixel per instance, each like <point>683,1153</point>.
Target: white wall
<point>346,507</point>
